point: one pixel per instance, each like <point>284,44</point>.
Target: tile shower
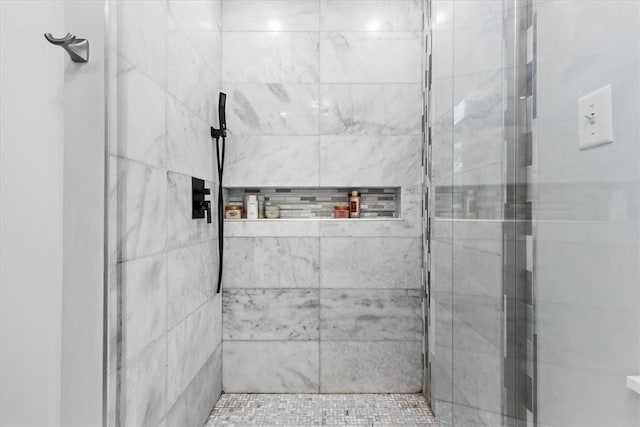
<point>318,316</point>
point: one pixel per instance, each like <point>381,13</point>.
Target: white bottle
<point>252,207</point>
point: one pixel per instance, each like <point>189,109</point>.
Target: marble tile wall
<point>165,319</point>
<point>324,93</point>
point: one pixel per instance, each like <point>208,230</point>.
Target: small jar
<point>272,211</point>
<point>341,211</point>
<point>233,212</point>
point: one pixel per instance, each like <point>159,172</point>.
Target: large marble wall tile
<point>370,314</point>
<point>144,283</point>
<point>269,262</point>
<point>481,235</point>
<point>476,272</point>
<point>144,387</point>
<point>274,57</point>
<point>370,160</point>
<point>272,161</point>
<point>358,15</point>
<point>189,79</point>
<point>409,225</point>
<point>270,367</point>
<point>142,37</point>
<point>275,228</point>
<point>370,367</point>
<point>478,36</point>
<point>191,276</point>
<point>193,407</point>
<point>141,198</point>
<point>141,99</point>
<point>189,146</point>
<point>270,314</point>
<point>477,368</point>
<point>190,343</point>
<point>361,57</point>
<point>442,146</point>
<point>270,15</point>
<point>370,109</point>
<point>272,109</point>
<point>181,228</point>
<point>369,263</point>
<point>201,23</point>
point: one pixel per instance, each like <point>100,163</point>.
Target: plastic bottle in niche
<point>252,207</point>
<point>354,204</point>
<point>260,206</point>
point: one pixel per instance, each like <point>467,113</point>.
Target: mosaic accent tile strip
<point>320,202</point>
<point>301,410</point>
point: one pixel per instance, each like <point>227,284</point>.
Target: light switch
<point>595,119</point>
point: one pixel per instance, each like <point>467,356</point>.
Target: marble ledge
<point>297,227</point>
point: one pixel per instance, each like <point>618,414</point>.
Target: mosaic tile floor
<point>300,410</point>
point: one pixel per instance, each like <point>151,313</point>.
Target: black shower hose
<point>220,164</point>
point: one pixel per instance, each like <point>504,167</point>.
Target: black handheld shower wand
<point>217,134</point>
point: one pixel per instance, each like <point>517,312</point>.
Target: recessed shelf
<point>317,203</point>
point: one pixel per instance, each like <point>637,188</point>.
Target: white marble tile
<point>191,279</point>
<point>190,344</point>
<point>442,146</point>
<point>270,262</point>
<point>410,224</point>
<point>370,109</point>
<point>368,263</point>
<point>478,36</point>
<point>476,272</point>
<point>272,161</point>
<point>270,15</point>
<point>270,314</point>
<point>140,100</point>
<point>181,228</point>
<point>193,406</point>
<point>360,57</point>
<point>274,57</point>
<point>272,228</point>
<point>272,109</point>
<point>190,149</point>
<point>185,67</point>
<point>144,283</point>
<point>477,234</point>
<point>200,20</point>
<point>140,203</point>
<point>370,314</point>
<point>374,15</point>
<point>477,368</point>
<point>373,367</point>
<point>142,37</point>
<point>370,160</point>
<point>270,367</point>
<point>145,397</point>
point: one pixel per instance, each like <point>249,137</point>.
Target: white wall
<point>31,213</point>
<point>586,216</point>
<point>84,200</point>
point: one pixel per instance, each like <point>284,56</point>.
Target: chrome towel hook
<point>78,49</point>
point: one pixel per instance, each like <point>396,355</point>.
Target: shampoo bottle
<point>252,207</point>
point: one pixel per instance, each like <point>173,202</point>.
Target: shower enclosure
<point>534,248</point>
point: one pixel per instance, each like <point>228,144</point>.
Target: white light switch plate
<point>595,119</point>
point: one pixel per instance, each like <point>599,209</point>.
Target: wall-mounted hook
<point>78,49</point>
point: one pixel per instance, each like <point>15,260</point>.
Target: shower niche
<point>376,203</point>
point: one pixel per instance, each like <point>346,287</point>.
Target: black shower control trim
<point>200,206</point>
